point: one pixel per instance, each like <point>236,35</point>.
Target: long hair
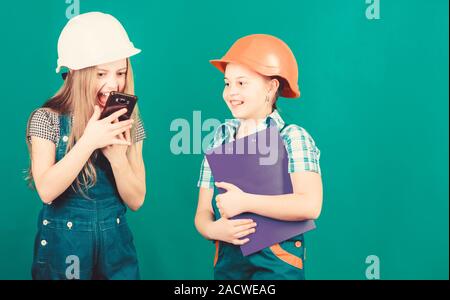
<point>77,97</point>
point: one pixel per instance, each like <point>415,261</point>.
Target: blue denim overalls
<point>79,238</point>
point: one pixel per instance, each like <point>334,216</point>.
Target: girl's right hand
<point>232,231</point>
<point>101,133</point>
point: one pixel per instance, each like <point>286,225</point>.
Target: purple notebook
<point>258,164</point>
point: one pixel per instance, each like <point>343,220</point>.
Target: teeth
<point>236,102</point>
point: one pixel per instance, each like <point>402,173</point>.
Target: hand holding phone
<point>116,101</point>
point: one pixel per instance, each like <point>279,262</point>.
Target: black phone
<point>116,101</point>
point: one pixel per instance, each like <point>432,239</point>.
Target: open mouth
<point>102,97</point>
<point>236,103</point>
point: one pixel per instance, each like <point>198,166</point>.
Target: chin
<point>241,114</point>
<point>238,115</point>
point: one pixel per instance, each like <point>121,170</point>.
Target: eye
<point>227,84</point>
<point>121,73</point>
<point>101,74</point>
<point>242,83</point>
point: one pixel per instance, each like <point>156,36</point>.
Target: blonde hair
<point>77,96</point>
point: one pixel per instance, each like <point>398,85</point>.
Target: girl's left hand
<point>232,202</point>
<point>115,153</point>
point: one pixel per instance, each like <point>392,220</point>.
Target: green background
<point>374,98</point>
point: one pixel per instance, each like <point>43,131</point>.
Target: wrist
<point>247,204</point>
<point>85,144</point>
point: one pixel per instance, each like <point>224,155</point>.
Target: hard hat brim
<point>133,51</point>
<point>221,65</point>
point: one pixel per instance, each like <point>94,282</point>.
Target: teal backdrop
<point>374,98</point>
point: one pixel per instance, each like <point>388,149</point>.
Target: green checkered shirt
<point>303,154</point>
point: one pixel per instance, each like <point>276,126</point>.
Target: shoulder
<point>44,115</point>
<point>43,123</point>
<point>295,132</point>
<point>302,151</point>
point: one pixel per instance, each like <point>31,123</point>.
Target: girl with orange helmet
<point>258,69</point>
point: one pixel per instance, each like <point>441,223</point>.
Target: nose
<point>232,90</point>
<point>112,84</point>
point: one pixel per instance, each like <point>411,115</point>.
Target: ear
<point>273,86</point>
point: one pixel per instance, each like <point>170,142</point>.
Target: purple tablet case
<point>258,164</point>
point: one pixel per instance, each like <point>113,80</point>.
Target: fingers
<point>244,230</point>
<point>117,141</point>
<point>128,135</point>
<point>240,242</point>
<point>121,137</point>
<point>225,185</point>
<point>115,115</point>
<point>121,124</point>
<point>97,113</point>
<point>120,130</point>
<point>223,214</point>
<point>239,222</point>
<point>245,227</point>
<point>218,203</point>
<point>220,208</point>
<point>244,233</point>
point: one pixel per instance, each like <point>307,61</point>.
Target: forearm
<point>61,175</point>
<point>131,189</point>
<point>203,222</point>
<point>288,207</point>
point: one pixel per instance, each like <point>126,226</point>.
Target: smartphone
<point>116,101</point>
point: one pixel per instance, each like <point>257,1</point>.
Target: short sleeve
<point>206,179</point>
<point>140,131</point>
<point>302,151</point>
<point>41,124</point>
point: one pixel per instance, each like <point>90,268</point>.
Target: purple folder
<point>258,164</point>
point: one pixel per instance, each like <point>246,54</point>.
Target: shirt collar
<point>274,116</point>
<point>232,125</point>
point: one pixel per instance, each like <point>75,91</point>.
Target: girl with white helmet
<point>87,170</point>
<point>258,68</point>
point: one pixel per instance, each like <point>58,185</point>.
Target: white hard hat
<point>92,39</point>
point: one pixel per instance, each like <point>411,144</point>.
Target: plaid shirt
<point>303,154</point>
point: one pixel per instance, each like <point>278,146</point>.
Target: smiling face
<point>110,77</point>
<point>246,92</point>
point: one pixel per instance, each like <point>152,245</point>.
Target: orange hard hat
<point>266,55</point>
